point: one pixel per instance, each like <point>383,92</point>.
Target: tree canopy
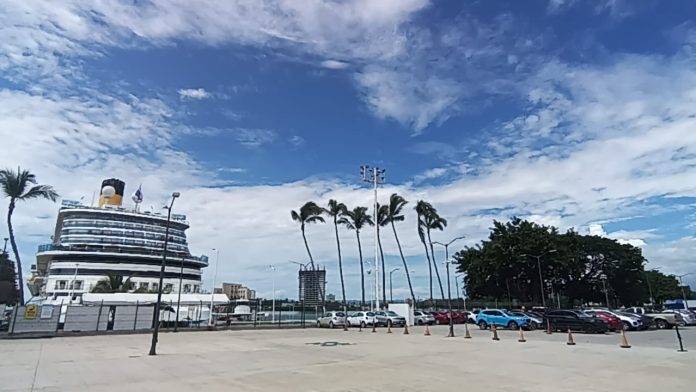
<point>577,267</point>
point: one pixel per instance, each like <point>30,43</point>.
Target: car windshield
<point>370,314</point>
<point>392,313</point>
<point>340,314</point>
<point>514,314</point>
<point>582,314</point>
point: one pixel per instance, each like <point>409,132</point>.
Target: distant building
<point>236,291</point>
<point>330,297</point>
<point>312,286</point>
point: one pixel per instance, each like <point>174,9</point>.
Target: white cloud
<point>191,93</point>
<point>334,64</point>
<point>296,140</point>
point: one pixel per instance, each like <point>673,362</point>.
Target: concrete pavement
<point>310,360</point>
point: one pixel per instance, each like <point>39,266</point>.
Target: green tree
<point>382,221</point>
<point>335,211</point>
<point>395,206</point>
<point>21,186</point>
<point>421,210</point>
<point>310,212</point>
<point>8,280</point>
<point>431,220</point>
<point>356,219</point>
<point>113,283</point>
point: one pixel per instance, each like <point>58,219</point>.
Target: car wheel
<point>362,324</point>
<point>626,325</point>
<point>661,324</point>
<point>389,323</point>
<point>420,322</point>
<point>318,324</point>
<point>483,325</point>
<point>331,324</point>
<point>513,325</point>
<point>533,326</point>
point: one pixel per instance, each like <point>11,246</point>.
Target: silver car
<point>332,319</point>
<point>421,318</point>
<point>362,319</point>
<point>392,318</point>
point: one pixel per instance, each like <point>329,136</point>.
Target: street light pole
<point>178,299</point>
<point>541,276</point>
<point>375,176</point>
<point>449,302</point>
<point>212,292</point>
<point>155,332</point>
<point>447,260</point>
<point>391,294</point>
<point>603,278</point>
<point>681,283</point>
<point>272,267</point>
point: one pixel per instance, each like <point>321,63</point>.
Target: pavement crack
<point>36,369</point>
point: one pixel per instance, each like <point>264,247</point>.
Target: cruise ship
<point>91,242</point>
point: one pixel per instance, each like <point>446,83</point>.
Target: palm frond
<point>335,209</point>
<point>295,216</point>
<point>396,204</point>
<point>14,184</point>
<point>40,192</point>
<point>315,219</point>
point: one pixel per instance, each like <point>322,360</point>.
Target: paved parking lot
<point>334,360</point>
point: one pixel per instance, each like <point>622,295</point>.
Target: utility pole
<point>603,277</point>
<point>541,276</point>
<point>681,283</point>
<point>211,321</point>
<point>273,268</point>
<point>375,176</point>
<point>391,294</point>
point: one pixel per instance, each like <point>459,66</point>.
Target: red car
<point>613,322</point>
<point>440,317</point>
<point>459,317</point>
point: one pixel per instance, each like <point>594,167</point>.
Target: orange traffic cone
<point>521,339</point>
<point>624,341</point>
<point>467,335</point>
<point>495,332</point>
<point>406,329</point>
<point>427,330</point>
<point>374,327</point>
<point>548,327</point>
<point>389,329</point>
<point>570,341</point>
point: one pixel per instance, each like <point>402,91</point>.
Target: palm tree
<point>310,212</point>
<point>336,210</point>
<point>382,221</point>
<point>113,284</point>
<point>396,204</point>
<point>356,220</point>
<point>433,221</point>
<point>422,208</point>
<point>15,185</point>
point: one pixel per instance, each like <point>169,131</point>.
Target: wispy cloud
<point>334,64</point>
<point>296,140</point>
<point>191,93</point>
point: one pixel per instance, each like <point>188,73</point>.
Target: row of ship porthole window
<point>187,288</point>
<point>72,222</point>
<point>117,233</point>
<point>118,241</point>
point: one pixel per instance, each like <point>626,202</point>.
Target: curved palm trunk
<point>340,262</point>
<point>437,273</point>
<point>430,267</point>
<point>311,261</point>
<point>403,259</point>
<point>362,268</point>
<point>384,271</point>
<point>18,262</point>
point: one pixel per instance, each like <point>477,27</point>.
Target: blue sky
<point>573,113</point>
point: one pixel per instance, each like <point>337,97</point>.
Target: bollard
<point>389,328</point>
<point>521,339</point>
<point>427,330</point>
<point>624,341</point>
<point>495,333</point>
<point>548,327</point>
<point>467,335</point>
<point>406,329</point>
<point>374,327</point>
<point>345,325</point>
<point>360,327</point>
<point>681,345</point>
<point>570,341</point>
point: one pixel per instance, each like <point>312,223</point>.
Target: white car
<point>421,318</point>
<point>332,319</point>
<point>362,319</point>
<point>686,316</point>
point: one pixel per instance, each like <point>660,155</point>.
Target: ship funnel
<point>111,192</point>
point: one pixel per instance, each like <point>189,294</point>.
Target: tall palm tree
<point>433,221</point>
<point>336,211</point>
<point>396,204</point>
<point>382,221</point>
<point>356,219</point>
<point>113,284</point>
<point>310,212</point>
<point>18,187</point>
<point>422,208</point>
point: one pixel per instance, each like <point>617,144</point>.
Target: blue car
<point>501,318</point>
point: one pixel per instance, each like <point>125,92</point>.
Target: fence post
<point>200,313</point>
<point>60,309</point>
<point>280,314</point>
<point>135,319</point>
<point>256,312</point>
<point>14,318</point>
<point>101,305</point>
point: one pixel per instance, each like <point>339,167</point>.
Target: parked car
<point>362,319</point>
<point>534,320</point>
<point>471,316</point>
<point>440,317</point>
<point>422,318</point>
<point>459,317</point>
<point>332,319</point>
<point>646,321</point>
<point>630,322</point>
<point>687,316</point>
<point>392,318</point>
<point>575,320</point>
<point>501,318</point>
<point>613,322</point>
<point>661,320</point>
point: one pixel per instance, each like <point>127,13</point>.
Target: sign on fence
<point>31,311</point>
<point>46,312</point>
